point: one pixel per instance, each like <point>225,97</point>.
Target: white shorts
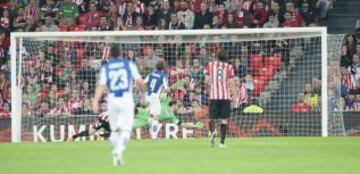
<point>154,104</point>
<point>121,115</point>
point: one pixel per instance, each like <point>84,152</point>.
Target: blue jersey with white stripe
<point>155,81</point>
<point>118,76</point>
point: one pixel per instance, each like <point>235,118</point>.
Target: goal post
<point>287,45</point>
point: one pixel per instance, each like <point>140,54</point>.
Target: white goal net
<point>279,75</point>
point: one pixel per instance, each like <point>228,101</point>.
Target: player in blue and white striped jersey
<point>117,78</point>
<point>156,82</point>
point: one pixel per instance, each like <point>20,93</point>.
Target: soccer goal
<point>280,76</point>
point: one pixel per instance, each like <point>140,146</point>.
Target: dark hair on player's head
<point>115,50</point>
<point>160,66</point>
<point>223,55</point>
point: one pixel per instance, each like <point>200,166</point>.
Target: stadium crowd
<point>60,80</point>
<point>350,71</point>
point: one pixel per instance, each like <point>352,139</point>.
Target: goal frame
<point>16,91</point>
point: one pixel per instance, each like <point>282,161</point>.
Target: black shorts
<point>100,123</point>
<point>219,109</point>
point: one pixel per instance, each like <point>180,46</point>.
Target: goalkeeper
<point>166,115</point>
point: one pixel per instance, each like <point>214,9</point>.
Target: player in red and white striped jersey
<point>102,122</point>
<point>219,76</point>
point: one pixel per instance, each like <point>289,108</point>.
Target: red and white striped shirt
<point>105,53</point>
<point>241,97</point>
<point>219,73</point>
<point>31,10</point>
<point>349,81</point>
<point>104,116</point>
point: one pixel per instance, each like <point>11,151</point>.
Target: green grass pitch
<point>190,156</point>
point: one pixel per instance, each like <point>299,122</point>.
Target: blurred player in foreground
<point>117,78</point>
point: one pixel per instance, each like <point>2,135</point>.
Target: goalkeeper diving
<point>142,116</point>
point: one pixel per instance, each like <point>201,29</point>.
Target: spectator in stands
<point>130,16</point>
<point>105,5</point>
<point>151,60</point>
<point>316,85</point>
<point>345,60</point>
<point>241,97</point>
<point>162,25</point>
<point>273,21</point>
<point>241,16</point>
<point>93,17</point>
<point>139,23</point>
<point>222,15</point>
<point>4,46</point>
<point>61,109</point>
<point>239,70</point>
<point>32,10</point>
<point>49,25</point>
<point>20,20</point>
<point>150,18</point>
<point>178,72</point>
<point>87,73</point>
<point>259,15</point>
<point>295,14</point>
<point>289,21</point>
<point>32,93</point>
<point>311,98</point>
<point>186,16</point>
<point>197,70</point>
<point>4,87</point>
<point>165,12</point>
<point>30,25</point>
<point>86,109</point>
<point>350,101</point>
<point>6,19</point>
<point>43,110</point>
<point>230,5</point>
<point>175,24</point>
<point>350,43</point>
<point>355,67</point>
<point>300,106</point>
<point>5,113</point>
<point>216,23</point>
<point>333,101</point>
<point>203,17</point>
<point>204,56</point>
<point>358,49</point>
<point>104,25</point>
<point>279,13</point>
<point>248,83</point>
<point>357,104</point>
<point>50,8</point>
<point>68,12</point>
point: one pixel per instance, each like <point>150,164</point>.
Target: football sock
<point>81,134</point>
<point>212,126</point>
<point>223,128</point>
<point>154,129</point>
<point>114,136</point>
<point>123,141</point>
